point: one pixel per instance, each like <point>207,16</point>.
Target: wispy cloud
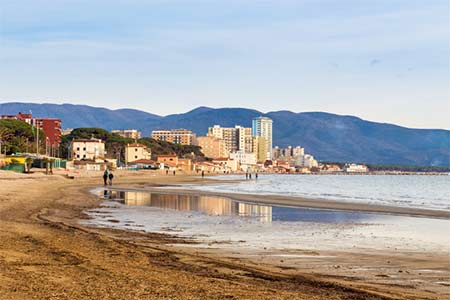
<point>268,53</point>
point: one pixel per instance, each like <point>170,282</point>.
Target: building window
<point>78,148</point>
<point>78,155</point>
<point>135,149</point>
<point>84,149</point>
<point>135,156</point>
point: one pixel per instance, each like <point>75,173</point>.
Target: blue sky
<point>382,60</point>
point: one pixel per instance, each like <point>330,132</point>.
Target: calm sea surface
<point>405,191</point>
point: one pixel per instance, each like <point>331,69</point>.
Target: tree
<point>16,136</point>
<point>28,163</point>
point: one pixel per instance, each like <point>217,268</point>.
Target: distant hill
<point>327,136</point>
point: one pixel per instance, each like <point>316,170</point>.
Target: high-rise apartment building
<point>176,136</point>
<point>262,126</point>
<point>260,148</point>
<point>236,138</point>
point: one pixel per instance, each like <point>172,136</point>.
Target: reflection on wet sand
<point>210,205</point>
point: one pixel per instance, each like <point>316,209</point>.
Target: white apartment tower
<point>262,126</point>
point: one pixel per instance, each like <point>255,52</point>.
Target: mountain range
<point>328,137</point>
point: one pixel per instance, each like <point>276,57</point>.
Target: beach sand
<point>45,253</point>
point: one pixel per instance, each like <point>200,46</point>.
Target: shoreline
<point>45,251</point>
<point>295,201</point>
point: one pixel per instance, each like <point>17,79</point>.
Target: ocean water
<point>431,192</point>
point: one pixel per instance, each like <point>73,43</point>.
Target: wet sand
<point>46,254</point>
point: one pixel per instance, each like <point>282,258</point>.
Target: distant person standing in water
<point>203,174</point>
<point>256,175</point>
<point>105,177</point>
<point>111,176</point>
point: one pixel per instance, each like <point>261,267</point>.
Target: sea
<point>414,191</point>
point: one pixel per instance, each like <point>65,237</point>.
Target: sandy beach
<point>46,253</point>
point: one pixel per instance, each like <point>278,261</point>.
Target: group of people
<point>108,177</point>
<point>249,175</point>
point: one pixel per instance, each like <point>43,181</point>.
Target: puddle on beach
<point>225,223</point>
<point>219,206</point>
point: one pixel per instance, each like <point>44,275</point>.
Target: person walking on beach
<point>105,177</point>
<point>111,176</point>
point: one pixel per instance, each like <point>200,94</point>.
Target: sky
<point>381,60</point>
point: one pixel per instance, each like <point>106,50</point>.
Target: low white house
<point>227,164</point>
<point>136,151</point>
<point>87,149</point>
<point>355,168</point>
<point>307,161</point>
<point>244,158</point>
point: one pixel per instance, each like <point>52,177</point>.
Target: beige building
<point>168,159</point>
<point>185,164</point>
<point>236,138</point>
<point>176,136</point>
<point>260,148</point>
<point>227,164</point>
<point>136,151</point>
<point>128,133</point>
<point>87,149</point>
<point>212,147</point>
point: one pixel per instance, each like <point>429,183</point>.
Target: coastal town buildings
<point>236,138</point>
<point>355,168</point>
<point>227,164</point>
<point>307,161</point>
<point>176,136</point>
<point>244,159</point>
<point>245,139</point>
<point>170,160</point>
<point>288,152</point>
<point>136,151</point>
<point>128,133</point>
<point>87,149</point>
<point>330,168</point>
<point>212,147</point>
<point>262,126</point>
<point>298,151</point>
